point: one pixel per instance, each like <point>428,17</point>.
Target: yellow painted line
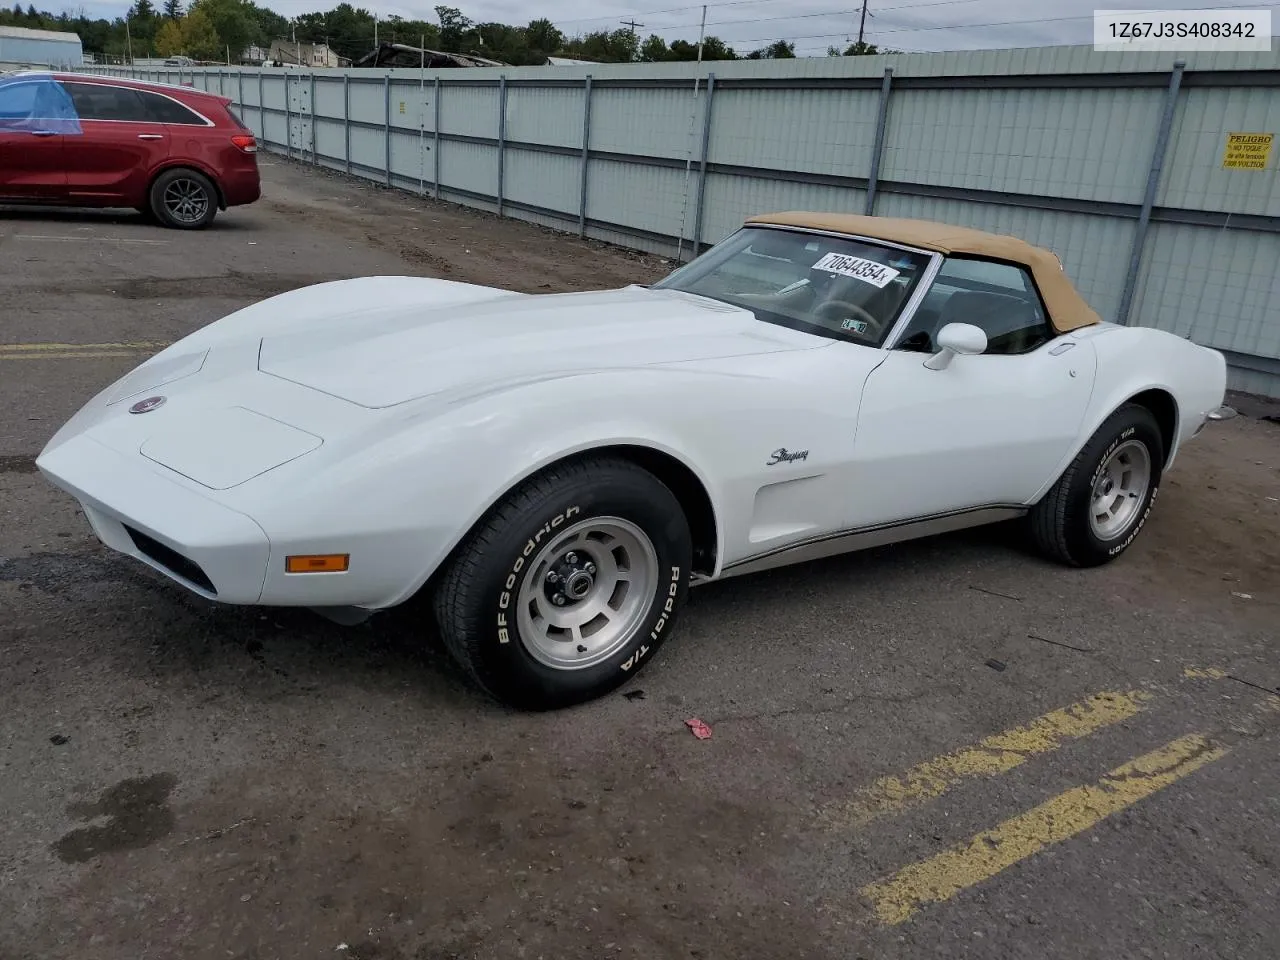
<point>136,345</point>
<point>1204,673</point>
<point>996,754</point>
<point>67,355</point>
<point>943,876</point>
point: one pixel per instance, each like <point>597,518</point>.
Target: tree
<point>618,46</point>
<point>778,50</point>
<point>233,23</point>
<point>200,40</point>
<point>169,39</point>
<point>654,50</point>
<point>543,38</point>
<point>453,28</point>
<point>172,11</point>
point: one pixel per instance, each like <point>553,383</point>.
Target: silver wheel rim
<point>186,200</point>
<point>1119,490</point>
<point>604,572</point>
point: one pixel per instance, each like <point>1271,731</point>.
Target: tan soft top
<point>1067,309</point>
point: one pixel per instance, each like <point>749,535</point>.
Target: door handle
<point>44,133</point>
<point>151,136</point>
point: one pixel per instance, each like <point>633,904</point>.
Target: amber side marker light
<point>318,563</point>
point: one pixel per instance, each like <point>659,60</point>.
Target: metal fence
<point>1117,162</point>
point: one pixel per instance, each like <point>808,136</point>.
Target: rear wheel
<point>1101,502</point>
<point>569,586</point>
<point>184,199</point>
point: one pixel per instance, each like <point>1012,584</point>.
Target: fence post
<point>312,107</point>
<point>240,81</point>
<point>586,156</point>
<point>436,145</point>
<point>502,134</point>
<point>262,109</point>
<point>288,120</point>
<point>1149,198</point>
<point>877,149</point>
<point>346,120</point>
<point>386,124</point>
<point>702,165</point>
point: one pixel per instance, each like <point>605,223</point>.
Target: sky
<point>812,25</point>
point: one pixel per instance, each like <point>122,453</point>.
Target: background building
<point>21,48</point>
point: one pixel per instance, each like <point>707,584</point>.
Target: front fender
<point>429,475</point>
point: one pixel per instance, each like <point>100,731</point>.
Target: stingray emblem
<point>147,405</point>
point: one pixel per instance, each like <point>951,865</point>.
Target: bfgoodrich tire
<point>183,199</point>
<point>569,586</point>
<point>1102,500</point>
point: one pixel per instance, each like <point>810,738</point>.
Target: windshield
<point>832,286</point>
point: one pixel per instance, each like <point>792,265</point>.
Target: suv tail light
<point>246,142</point>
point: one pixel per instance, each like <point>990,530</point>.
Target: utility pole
<point>702,31</point>
<point>632,24</point>
<point>862,25</point>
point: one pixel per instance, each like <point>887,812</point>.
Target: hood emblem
<point>147,405</point>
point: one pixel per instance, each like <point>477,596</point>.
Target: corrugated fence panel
<point>1219,287</point>
<point>550,115</point>
<point>818,131</point>
<point>643,197</point>
<point>543,180</point>
<point>330,97</point>
<point>411,106</point>
<point>367,103</point>
<point>1084,144</point>
<point>731,199</point>
<point>330,138</point>
<point>1196,178</point>
<point>411,157</point>
<point>368,145</point>
<point>470,112</point>
<point>648,122</point>
<point>469,166</point>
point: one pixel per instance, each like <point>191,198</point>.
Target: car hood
<point>419,351</point>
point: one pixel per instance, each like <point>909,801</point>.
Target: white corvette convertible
<point>549,473</point>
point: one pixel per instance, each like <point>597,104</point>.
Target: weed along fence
<point>1153,176</point>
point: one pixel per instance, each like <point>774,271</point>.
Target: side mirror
<point>956,338</point>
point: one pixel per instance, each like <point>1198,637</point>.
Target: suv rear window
<point>166,110</point>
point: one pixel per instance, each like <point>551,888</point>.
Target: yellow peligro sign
<point>1247,151</point>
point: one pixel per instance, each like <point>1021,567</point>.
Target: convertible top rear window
<point>831,286</point>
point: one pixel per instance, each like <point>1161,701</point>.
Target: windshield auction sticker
<point>868,271</point>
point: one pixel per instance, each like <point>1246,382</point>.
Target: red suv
<point>176,153</point>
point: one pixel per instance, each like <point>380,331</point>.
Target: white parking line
<point>29,236</point>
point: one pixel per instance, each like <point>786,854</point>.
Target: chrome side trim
<point>861,539</point>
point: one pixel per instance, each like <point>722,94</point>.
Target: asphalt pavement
<point>947,748</point>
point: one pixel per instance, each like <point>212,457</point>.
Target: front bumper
<point>210,549</point>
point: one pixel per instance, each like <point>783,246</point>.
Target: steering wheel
<point>840,309</point>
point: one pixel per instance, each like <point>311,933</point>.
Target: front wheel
<point>1101,502</point>
<point>184,199</point>
<point>569,586</point>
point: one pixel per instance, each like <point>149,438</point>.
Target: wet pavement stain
<point>139,814</point>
